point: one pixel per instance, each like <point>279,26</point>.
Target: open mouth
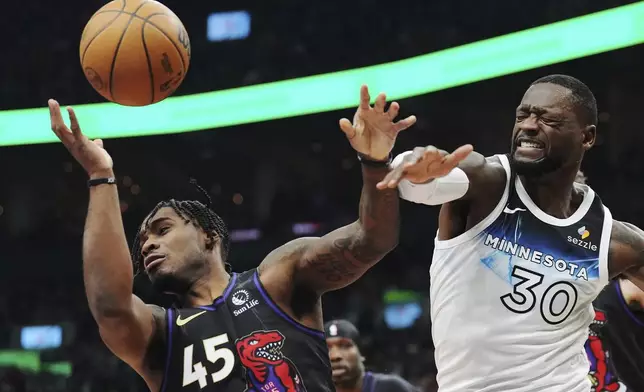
<point>530,143</point>
<point>529,149</point>
<point>271,351</point>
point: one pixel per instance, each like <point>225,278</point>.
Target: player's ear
<point>589,134</point>
<point>212,241</point>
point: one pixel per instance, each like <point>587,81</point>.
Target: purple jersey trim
<point>625,305</point>
<point>220,300</point>
<point>314,332</point>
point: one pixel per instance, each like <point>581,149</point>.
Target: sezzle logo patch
<point>583,233</point>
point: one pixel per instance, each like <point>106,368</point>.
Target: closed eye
<point>521,116</point>
<point>550,122</point>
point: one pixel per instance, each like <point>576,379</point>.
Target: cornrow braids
<point>198,214</point>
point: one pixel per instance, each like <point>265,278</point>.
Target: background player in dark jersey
<point>182,245</point>
<point>615,345</point>
<point>347,363</point>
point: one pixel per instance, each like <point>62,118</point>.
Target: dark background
<point>287,171</point>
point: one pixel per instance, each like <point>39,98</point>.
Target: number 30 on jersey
<point>197,372</point>
<point>523,298</point>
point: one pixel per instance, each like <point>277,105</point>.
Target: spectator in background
<point>347,363</point>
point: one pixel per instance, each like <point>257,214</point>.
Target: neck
<point>207,288</point>
<point>356,387</point>
<point>553,193</point>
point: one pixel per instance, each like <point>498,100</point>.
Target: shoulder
<point>277,272</point>
<point>286,254</point>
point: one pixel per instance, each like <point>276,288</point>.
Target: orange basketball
<point>135,52</point>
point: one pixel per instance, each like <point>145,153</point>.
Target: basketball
<point>135,52</point>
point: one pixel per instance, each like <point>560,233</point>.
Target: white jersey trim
<point>589,196</point>
<point>604,245</point>
<point>482,225</point>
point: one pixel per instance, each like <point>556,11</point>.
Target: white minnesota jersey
<point>511,298</point>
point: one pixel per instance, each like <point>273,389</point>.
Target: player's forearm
<point>376,231</point>
<point>343,255</point>
<point>107,265</point>
<point>469,179</point>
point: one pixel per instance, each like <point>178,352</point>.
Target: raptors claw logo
<point>267,370</point>
<point>600,376</point>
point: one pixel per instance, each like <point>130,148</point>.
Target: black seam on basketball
<point>101,30</point>
<point>176,47</point>
<point>118,46</point>
<point>147,56</point>
<point>145,20</point>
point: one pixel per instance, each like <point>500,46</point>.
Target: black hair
<point>582,97</point>
<point>198,214</point>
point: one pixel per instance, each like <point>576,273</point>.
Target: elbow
<point>380,244</point>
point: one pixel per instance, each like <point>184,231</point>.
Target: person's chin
<point>162,281</point>
<point>532,166</point>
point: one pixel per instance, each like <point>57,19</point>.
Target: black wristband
<point>100,181</point>
<point>369,162</point>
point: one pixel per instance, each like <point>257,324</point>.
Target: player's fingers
<point>73,121</point>
<point>347,128</point>
<point>404,124</point>
<point>58,125</point>
<point>99,142</point>
<point>411,160</point>
<point>453,159</point>
<point>364,97</point>
<point>381,101</point>
<point>393,110</point>
<point>55,117</point>
<point>392,178</point>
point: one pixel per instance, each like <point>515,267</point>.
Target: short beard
<point>349,383</point>
<point>538,168</point>
<point>170,284</point>
<point>179,283</point>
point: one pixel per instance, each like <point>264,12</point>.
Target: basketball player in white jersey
<point>521,251</point>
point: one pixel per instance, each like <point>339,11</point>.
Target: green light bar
<point>562,41</point>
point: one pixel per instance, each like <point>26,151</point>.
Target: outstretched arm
<point>317,265</point>
<point>342,256</point>
<point>427,175</point>
<point>126,324</point>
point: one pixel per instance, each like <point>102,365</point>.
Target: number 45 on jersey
<point>197,372</point>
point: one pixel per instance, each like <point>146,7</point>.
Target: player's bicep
<point>626,251</point>
<point>325,263</point>
<point>130,334</point>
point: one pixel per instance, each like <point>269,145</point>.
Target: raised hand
<point>90,154</point>
<point>424,164</point>
<point>373,131</point>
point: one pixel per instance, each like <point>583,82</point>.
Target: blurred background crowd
<point>271,181</point>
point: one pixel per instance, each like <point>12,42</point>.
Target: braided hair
<point>197,213</point>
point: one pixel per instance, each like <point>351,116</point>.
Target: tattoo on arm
<point>626,251</point>
<point>342,256</point>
